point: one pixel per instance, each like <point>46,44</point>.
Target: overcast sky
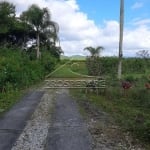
<point>96,23</point>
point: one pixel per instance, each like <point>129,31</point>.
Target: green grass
<point>11,97</point>
<point>131,111</point>
<point>79,67</point>
<point>70,69</point>
<point>8,99</point>
<point>63,72</point>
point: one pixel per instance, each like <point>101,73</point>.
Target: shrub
<point>130,78</point>
<point>48,62</point>
<point>17,70</point>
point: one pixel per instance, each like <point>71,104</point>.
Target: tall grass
<point>130,108</point>
<point>18,71</point>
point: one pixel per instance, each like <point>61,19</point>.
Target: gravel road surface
<point>68,130</point>
<point>14,121</point>
<point>50,120</point>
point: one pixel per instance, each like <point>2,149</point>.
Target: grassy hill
<point>74,57</point>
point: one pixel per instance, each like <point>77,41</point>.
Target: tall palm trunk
<point>38,46</point>
<point>121,38</point>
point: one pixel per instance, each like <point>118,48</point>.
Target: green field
<point>71,69</point>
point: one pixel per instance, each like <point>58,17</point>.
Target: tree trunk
<point>38,46</point>
<point>121,38</point>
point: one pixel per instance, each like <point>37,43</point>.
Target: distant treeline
<point>129,65</point>
<point>108,65</point>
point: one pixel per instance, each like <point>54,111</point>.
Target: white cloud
<point>139,38</point>
<point>137,5</point>
<point>73,4</point>
<point>141,22</point>
<point>78,32</point>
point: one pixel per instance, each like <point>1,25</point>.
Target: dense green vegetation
<point>133,68</point>
<point>108,66</point>
<point>32,31</point>
<point>18,71</point>
<point>28,50</point>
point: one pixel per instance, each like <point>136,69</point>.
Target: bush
<point>130,78</point>
<point>140,98</point>
<point>48,62</point>
<point>18,71</point>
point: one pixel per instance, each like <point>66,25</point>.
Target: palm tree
<point>41,22</point>
<point>94,51</point>
<point>93,62</point>
<point>121,38</point>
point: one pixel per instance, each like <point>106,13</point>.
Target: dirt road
<point>68,130</point>
<point>44,120</point>
<point>14,121</point>
<point>51,120</point>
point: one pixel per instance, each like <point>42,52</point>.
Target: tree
<point>121,38</point>
<point>40,21</point>
<point>11,28</point>
<point>94,51</point>
<point>93,62</point>
<point>7,17</point>
<point>143,54</point>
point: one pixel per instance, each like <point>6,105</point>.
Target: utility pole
<point>121,38</point>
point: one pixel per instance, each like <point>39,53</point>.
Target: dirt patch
<point>107,135</point>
